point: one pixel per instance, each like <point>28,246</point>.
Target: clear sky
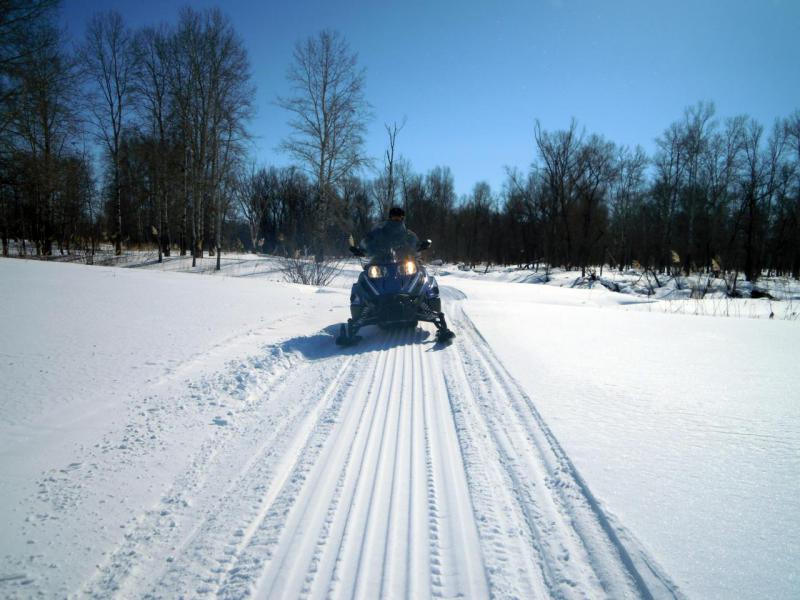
<point>472,76</point>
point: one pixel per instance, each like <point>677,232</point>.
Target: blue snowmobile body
<point>394,291</point>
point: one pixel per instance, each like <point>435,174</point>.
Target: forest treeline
<point>139,138</point>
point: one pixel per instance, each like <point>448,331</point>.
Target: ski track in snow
<point>395,469</point>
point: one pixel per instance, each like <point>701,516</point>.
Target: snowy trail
<point>395,469</point>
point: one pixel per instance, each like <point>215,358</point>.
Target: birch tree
<point>109,60</point>
<point>213,100</point>
<point>329,115</point>
<point>151,87</point>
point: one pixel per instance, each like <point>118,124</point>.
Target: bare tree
<point>670,168</point>
<point>759,181</point>
<point>20,44</point>
<point>385,186</point>
<point>559,153</point>
<point>151,87</point>
<point>213,99</point>
<point>43,123</point>
<point>523,238</point>
<point>109,59</point>
<point>251,193</point>
<point>388,160</point>
<point>440,188</point>
<point>329,117</point>
<point>358,206</point>
<point>18,20</point>
<point>698,129</point>
<point>627,191</point>
<point>792,125</point>
<point>596,171</point>
<point>475,221</point>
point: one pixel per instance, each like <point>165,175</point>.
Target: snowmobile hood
<point>393,280</point>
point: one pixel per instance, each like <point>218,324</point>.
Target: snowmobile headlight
<point>410,267</point>
<point>374,272</point>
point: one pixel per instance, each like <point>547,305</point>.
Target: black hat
<point>396,211</point>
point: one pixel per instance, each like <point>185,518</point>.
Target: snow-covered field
<point>171,435</point>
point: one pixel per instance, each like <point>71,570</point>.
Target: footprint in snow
<point>220,421</point>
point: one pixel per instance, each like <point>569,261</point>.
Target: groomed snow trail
<point>396,469</point>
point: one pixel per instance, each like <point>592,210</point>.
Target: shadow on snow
<point>322,345</point>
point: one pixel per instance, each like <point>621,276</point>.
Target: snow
<point>168,434</point>
<point>687,429</point>
<point>95,362</point>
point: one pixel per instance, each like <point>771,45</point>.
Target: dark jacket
<point>391,235</point>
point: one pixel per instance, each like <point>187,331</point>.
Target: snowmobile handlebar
<point>421,245</point>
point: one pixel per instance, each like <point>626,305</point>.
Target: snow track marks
<point>398,469</point>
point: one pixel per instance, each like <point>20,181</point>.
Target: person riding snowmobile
<point>392,234</point>
<point>394,288</point>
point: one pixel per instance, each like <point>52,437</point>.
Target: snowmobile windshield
<point>400,255</point>
<point>390,241</point>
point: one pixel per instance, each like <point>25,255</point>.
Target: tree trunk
<point>5,226</point>
<point>218,243</point>
<point>194,235</point>
<point>748,249</point>
<point>198,225</point>
<point>158,233</point>
<point>167,241</point>
<point>5,231</point>
<point>182,230</point>
<point>319,229</point>
<point>118,192</point>
<point>184,224</point>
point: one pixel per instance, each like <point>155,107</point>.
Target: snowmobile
<point>393,290</point>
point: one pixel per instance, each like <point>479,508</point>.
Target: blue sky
<point>471,77</point>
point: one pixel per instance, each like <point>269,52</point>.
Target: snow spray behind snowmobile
<point>393,291</point>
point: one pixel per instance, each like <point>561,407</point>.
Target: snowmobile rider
<point>391,235</point>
